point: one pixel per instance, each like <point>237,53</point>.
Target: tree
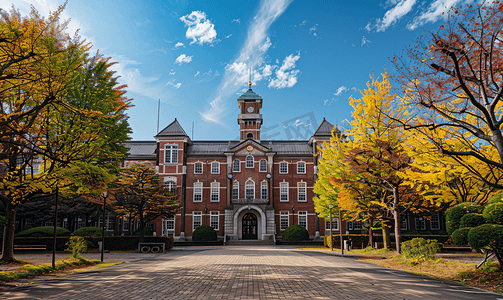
<point>138,191</point>
<point>453,78</point>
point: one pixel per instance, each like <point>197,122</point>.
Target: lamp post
<point>103,226</point>
<point>340,229</point>
<point>331,238</point>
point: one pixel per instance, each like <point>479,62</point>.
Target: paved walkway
<point>237,272</point>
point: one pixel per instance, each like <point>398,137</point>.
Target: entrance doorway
<point>249,226</point>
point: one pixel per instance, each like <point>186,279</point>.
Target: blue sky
<point>307,57</point>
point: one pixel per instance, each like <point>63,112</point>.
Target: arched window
<point>249,161</point>
<point>263,165</point>
<point>170,185</point>
<point>249,136</point>
<point>250,189</point>
<point>236,166</point>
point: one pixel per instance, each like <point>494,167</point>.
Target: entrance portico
<point>249,222</point>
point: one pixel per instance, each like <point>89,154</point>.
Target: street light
<point>103,226</point>
<point>331,237</point>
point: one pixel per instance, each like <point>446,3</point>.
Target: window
<point>170,185</point>
<point>301,167</point>
<point>215,192</point>
<point>249,161</point>
<point>214,218</point>
<point>171,154</point>
<point>168,224</point>
<point>263,190</point>
<point>198,168</point>
<point>236,166</point>
<point>420,223</point>
<point>125,223</point>
<point>249,136</point>
<point>435,222</point>
<point>403,222</point>
<point>51,223</point>
<point>250,189</point>
<point>283,168</point>
<point>335,224</point>
<point>302,191</point>
<point>215,167</point>
<point>357,225</point>
<point>235,190</point>
<point>263,165</point>
<point>284,220</point>
<point>303,219</point>
<point>197,219</point>
<point>350,225</point>
<point>198,192</point>
<point>109,222</point>
<point>283,191</point>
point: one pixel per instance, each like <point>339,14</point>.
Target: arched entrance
<point>249,226</point>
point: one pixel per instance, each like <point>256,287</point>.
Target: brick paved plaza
<point>239,272</point>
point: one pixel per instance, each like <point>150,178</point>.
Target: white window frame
<point>334,221</point>
<point>263,165</point>
<point>264,190</point>
<point>215,167</point>
<point>238,165</point>
<point>285,169</point>
<point>248,184</point>
<point>350,225</point>
<point>170,185</point>
<point>404,222</point>
<point>235,187</point>
<point>302,218</point>
<point>437,221</point>
<point>197,215</point>
<point>125,223</point>
<point>168,225</point>
<point>283,192</point>
<point>422,223</point>
<point>198,191</point>
<point>301,163</point>
<point>357,225</point>
<point>170,154</point>
<point>301,191</point>
<point>215,192</point>
<point>284,217</point>
<point>215,215</point>
<point>248,165</point>
<point>195,168</point>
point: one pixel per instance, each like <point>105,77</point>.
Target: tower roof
<point>250,95</point>
<point>325,129</point>
<point>173,129</point>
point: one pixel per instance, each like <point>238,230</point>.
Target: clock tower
<point>250,118</point>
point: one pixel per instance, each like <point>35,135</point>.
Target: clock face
<point>250,109</point>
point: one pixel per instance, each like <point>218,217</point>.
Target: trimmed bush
<point>295,233</point>
<point>494,213</point>
<point>455,213</point>
<point>419,249</point>
<point>460,236</point>
<point>471,220</point>
<point>487,235</point>
<point>122,243</point>
<point>90,232</point>
<point>147,231</point>
<point>43,232</point>
<point>497,198</point>
<point>204,233</point>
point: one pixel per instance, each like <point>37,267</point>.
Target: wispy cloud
<point>173,84</point>
<point>228,36</point>
<point>147,21</point>
<point>340,90</point>
<point>172,72</point>
<point>179,44</point>
<point>237,21</point>
<point>285,75</point>
<point>433,13</point>
<point>251,55</point>
<point>200,29</point>
<point>197,74</point>
<point>392,16</point>
<point>183,59</point>
<point>364,41</point>
<point>312,30</point>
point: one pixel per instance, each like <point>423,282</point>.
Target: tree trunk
<point>385,234</point>
<point>371,234</point>
<point>8,237</point>
<point>142,227</point>
<point>396,216</point>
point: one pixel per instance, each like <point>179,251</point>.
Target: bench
<point>30,247</point>
<point>146,247</point>
<point>455,248</point>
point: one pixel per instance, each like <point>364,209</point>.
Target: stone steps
<point>249,242</point>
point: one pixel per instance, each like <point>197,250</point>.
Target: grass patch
<point>16,262</point>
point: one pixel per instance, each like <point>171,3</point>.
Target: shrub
<point>204,233</point>
<point>460,236</point>
<point>471,220</point>
<point>93,232</point>
<point>43,232</point>
<point>487,235</point>
<point>494,213</point>
<point>147,231</point>
<point>497,198</point>
<point>295,233</point>
<point>77,245</point>
<point>419,249</point>
<point>454,214</point>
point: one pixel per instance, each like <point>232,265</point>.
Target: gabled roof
<point>249,95</point>
<point>325,129</point>
<point>173,129</point>
<point>250,141</point>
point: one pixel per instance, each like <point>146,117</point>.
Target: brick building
<point>245,189</point>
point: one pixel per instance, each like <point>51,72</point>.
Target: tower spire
<point>249,81</point>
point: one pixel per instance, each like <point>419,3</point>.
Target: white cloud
<point>312,29</point>
<point>325,102</point>
<point>173,84</point>
<point>228,36</point>
<point>285,76</point>
<point>197,74</point>
<point>303,23</point>
<point>179,44</point>
<point>200,30</point>
<point>172,72</point>
<point>250,55</point>
<point>364,41</point>
<point>433,13</point>
<point>353,88</point>
<point>237,21</point>
<point>340,90</point>
<point>183,59</point>
<point>217,73</point>
<point>393,15</point>
<point>267,44</point>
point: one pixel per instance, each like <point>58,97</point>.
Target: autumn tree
<point>139,192</point>
<point>453,79</point>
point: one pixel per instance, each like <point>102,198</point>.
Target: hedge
<point>362,239</point>
<point>94,232</point>
<point>295,233</point>
<point>43,232</point>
